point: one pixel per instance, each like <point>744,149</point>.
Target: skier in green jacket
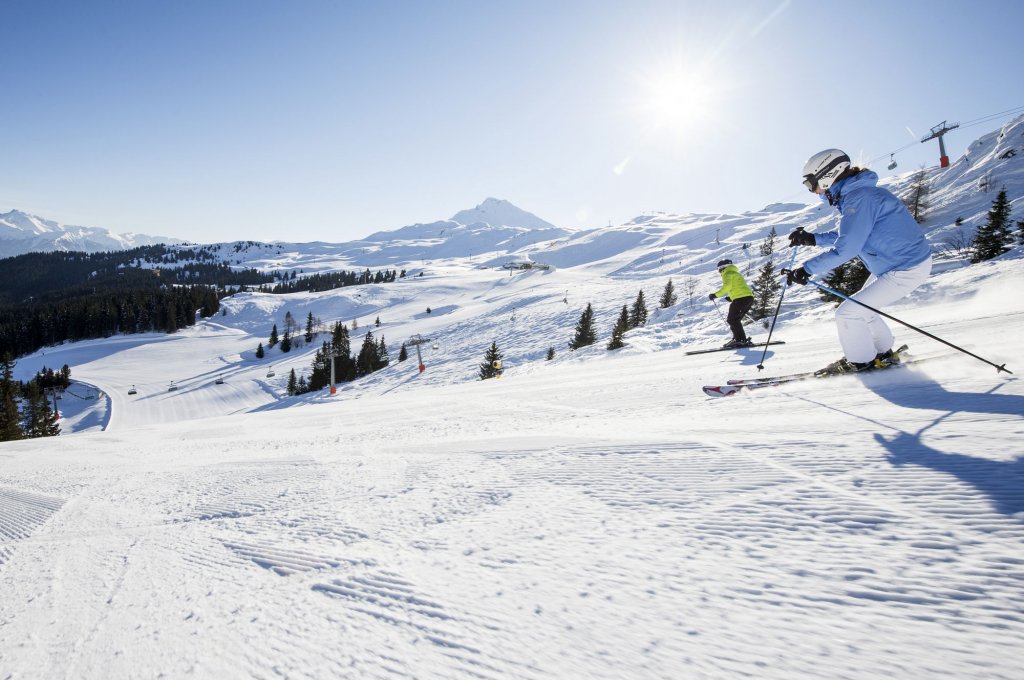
<point>736,289</point>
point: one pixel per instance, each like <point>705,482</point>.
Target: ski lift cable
<point>985,119</point>
<point>970,123</point>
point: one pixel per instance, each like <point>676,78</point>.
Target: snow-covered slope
<point>592,516</point>
<point>23,233</point>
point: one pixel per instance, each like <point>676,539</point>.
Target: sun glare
<point>677,101</point>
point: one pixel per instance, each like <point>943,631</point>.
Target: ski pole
<point>719,310</point>
<point>998,367</point>
<point>782,294</point>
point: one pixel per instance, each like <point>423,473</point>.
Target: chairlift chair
<point>172,387</point>
<point>892,161</point>
<point>219,381</point>
<point>133,390</point>
<point>270,373</point>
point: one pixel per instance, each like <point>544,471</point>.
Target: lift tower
<point>937,133</point>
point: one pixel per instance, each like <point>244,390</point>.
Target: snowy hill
<point>591,516</point>
<point>23,233</point>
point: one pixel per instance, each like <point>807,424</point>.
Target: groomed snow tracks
<point>21,512</point>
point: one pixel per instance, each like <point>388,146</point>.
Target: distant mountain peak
<point>21,233</point>
<point>501,213</point>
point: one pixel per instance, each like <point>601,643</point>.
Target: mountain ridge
<point>22,233</point>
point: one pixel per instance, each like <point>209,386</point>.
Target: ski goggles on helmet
<point>811,180</point>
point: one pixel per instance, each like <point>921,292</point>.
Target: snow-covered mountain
<point>593,515</point>
<point>23,233</point>
<point>492,229</point>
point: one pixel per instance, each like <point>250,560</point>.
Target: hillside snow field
<point>596,516</point>
<point>593,516</point>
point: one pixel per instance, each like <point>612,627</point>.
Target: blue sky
<point>302,121</point>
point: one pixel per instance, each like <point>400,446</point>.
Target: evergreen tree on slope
<point>638,314</point>
<point>994,237</point>
<point>585,334</point>
<point>10,418</point>
<point>487,369</point>
<point>621,326</point>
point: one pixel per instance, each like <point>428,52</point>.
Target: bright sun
<point>677,101</point>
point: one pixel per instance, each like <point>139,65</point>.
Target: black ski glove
<point>798,275</point>
<point>712,297</point>
<point>799,237</point>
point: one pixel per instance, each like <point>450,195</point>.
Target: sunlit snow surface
<point>595,516</point>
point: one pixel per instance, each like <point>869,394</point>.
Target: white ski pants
<point>862,333</point>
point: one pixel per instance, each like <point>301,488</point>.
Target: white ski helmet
<point>823,168</point>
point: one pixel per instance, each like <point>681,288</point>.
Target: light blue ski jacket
<point>875,226</point>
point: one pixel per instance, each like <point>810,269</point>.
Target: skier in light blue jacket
<point>876,227</point>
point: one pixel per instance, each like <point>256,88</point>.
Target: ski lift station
<point>524,265</point>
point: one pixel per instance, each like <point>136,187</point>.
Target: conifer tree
<point>341,349</point>
<point>40,420</point>
<point>377,322</point>
<point>487,369</point>
<point>383,359</point>
<point>259,351</point>
<point>286,342</point>
<point>273,337</point>
<point>293,383</point>
<point>551,354</point>
<point>403,353</point>
<point>585,334</point>
<point>309,327</point>
<point>367,360</point>
<point>765,287</point>
<point>621,326</point>
<point>994,237</point>
<point>170,318</point>
<point>847,279</point>
<point>10,419</point>
<point>638,314</point>
<point>668,296</point>
<point>303,386</point>
<point>1020,230</point>
<point>768,245</point>
<point>320,369</point>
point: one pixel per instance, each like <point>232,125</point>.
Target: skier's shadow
<point>754,356</point>
<point>1001,481</point>
<point>923,392</point>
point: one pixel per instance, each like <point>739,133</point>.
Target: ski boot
<point>845,366</point>
<point>886,359</point>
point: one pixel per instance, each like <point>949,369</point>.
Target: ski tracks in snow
<point>516,557</point>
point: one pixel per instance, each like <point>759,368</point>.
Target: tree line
<point>317,283</point>
<point>25,411</point>
<point>33,276</point>
<point>27,327</point>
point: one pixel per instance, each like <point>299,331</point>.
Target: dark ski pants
<point>735,318</point>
